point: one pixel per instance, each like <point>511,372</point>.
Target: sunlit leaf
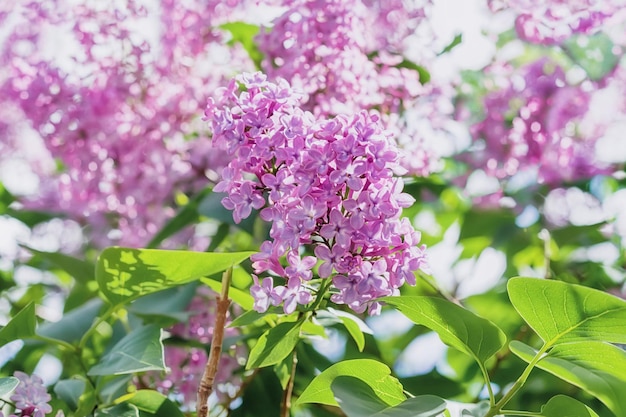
<point>564,406</point>
<point>124,274</point>
<point>22,326</point>
<point>605,386</point>
<point>152,402</point>
<point>274,345</point>
<point>456,326</point>
<point>140,350</point>
<point>375,374</point>
<point>120,410</point>
<point>561,312</point>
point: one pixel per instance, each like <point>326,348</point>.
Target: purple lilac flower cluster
<point>30,396</point>
<point>532,123</point>
<point>551,22</point>
<point>325,184</point>
<point>186,364</point>
<point>117,118</point>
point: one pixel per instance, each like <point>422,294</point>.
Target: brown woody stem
<point>208,378</point>
<point>286,405</point>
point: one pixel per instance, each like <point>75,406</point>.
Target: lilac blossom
<point>532,124</point>
<point>30,396</point>
<point>339,198</point>
<point>551,22</point>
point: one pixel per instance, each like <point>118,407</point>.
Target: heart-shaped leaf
<point>564,406</point>
<point>358,399</point>
<point>456,326</point>
<point>561,312</point>
<point>375,374</point>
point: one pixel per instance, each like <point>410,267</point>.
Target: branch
<point>286,404</point>
<point>208,378</point>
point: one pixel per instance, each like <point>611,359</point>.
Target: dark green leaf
<point>274,345</point>
<point>358,399</point>
<point>375,374</point>
<point>456,326</point>
<point>166,305</point>
<point>140,350</point>
<point>564,406</point>
<point>80,270</point>
<point>561,312</point>
<point>252,316</point>
<point>456,41</point>
<point>22,326</point>
<point>74,324</point>
<point>124,274</point>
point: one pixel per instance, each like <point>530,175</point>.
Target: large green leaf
<point>7,385</point>
<point>79,269</point>
<point>74,324</point>
<point>605,386</point>
<point>561,312</point>
<point>375,374</point>
<point>358,399</point>
<point>22,326</point>
<point>140,350</point>
<point>456,326</point>
<point>274,345</point>
<point>595,355</point>
<point>124,274</point>
<point>152,402</point>
<point>244,33</point>
<point>564,406</point>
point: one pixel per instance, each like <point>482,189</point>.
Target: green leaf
<point>120,410</point>
<point>22,326</point>
<point>252,316</point>
<point>7,385</point>
<point>124,274</point>
<point>275,345</point>
<point>456,326</point>
<point>152,402</point>
<point>606,387</point>
<point>595,355</point>
<point>78,394</point>
<point>564,406</point>
<point>6,198</point>
<point>358,399</point>
<point>74,324</point>
<point>423,72</point>
<point>355,326</point>
<point>375,374</point>
<point>165,306</point>
<point>80,270</point>
<point>593,53</point>
<point>559,312</point>
<point>140,350</point>
<point>455,42</point>
<point>244,33</point>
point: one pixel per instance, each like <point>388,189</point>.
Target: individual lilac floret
<point>327,187</point>
<point>30,396</point>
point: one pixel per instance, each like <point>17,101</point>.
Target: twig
<point>286,404</point>
<point>208,378</point>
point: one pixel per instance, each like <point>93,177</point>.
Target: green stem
<point>108,313</point>
<point>61,343</point>
<point>519,413</point>
<point>321,293</point>
<point>496,409</point>
<point>492,398</point>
